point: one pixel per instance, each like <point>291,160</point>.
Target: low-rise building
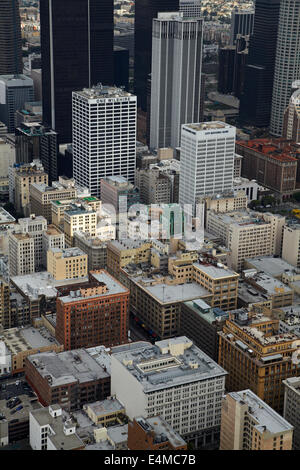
<point>122,252</point>
<point>69,379</point>
<point>49,431</point>
<point>248,423</point>
<point>153,434</point>
<point>52,238</point>
<point>106,412</point>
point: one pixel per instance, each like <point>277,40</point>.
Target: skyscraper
<point>242,22</point>
<point>255,105</point>
<point>77,52</point>
<point>175,78</point>
<point>287,65</point>
<point>15,91</point>
<point>145,11</point>
<point>206,160</point>
<point>190,8</point>
<point>106,144</point>
<point>291,120</point>
<point>10,38</point>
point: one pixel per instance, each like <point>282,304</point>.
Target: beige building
<point>227,203</point>
<point>220,281</point>
<point>58,208</point>
<point>247,234</point>
<point>79,218</point>
<point>21,254</point>
<point>122,252</point>
<point>52,238</point>
<point>291,244</point>
<point>248,423</point>
<point>21,179</point>
<point>41,195</point>
<point>68,263</point>
<point>106,412</point>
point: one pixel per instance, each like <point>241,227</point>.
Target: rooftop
<point>107,406</point>
<point>275,148</point>
<point>24,339</point>
<point>208,314</point>
<point>104,92</point>
<point>68,252</point>
<point>6,217</point>
<point>168,363</point>
<point>266,418</point>
<point>162,430</point>
<point>270,265</point>
<point>167,294</point>
<point>76,366</point>
<point>208,126</point>
<point>216,272</point>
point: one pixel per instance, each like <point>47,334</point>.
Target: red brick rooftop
<point>279,149</point>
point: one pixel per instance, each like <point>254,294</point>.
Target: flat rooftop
<point>106,406</point>
<point>60,440</point>
<point>113,287</point>
<point>216,272</point>
<point>6,217</point>
<point>262,413</point>
<point>118,434</point>
<point>162,430</point>
<point>210,316</point>
<point>144,360</point>
<point>167,294</point>
<point>270,285</point>
<point>76,366</point>
<point>208,126</point>
<point>69,252</point>
<point>105,92</point>
<point>24,339</point>
<point>41,283</point>
<point>275,267</point>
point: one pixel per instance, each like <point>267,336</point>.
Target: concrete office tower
<point>10,38</point>
<point>206,160</point>
<point>190,8</point>
<point>291,119</point>
<point>287,64</point>
<point>176,77</point>
<point>242,22</point>
<point>14,92</point>
<point>145,12</point>
<point>106,144</point>
<point>255,104</point>
<point>248,423</point>
<point>77,52</point>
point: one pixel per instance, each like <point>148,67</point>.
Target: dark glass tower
<point>10,38</point>
<point>145,11</point>
<point>77,52</point>
<point>255,105</point>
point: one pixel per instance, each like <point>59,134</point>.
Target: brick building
<point>153,434</point>
<point>92,313</point>
<point>69,379</point>
<point>272,162</point>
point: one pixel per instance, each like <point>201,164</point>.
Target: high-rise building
<point>77,52</point>
<point>145,12</point>
<point>190,8</point>
<point>255,105</point>
<point>106,144</point>
<point>291,119</point>
<point>248,423</point>
<point>287,65</point>
<point>242,22</point>
<point>175,77</point>
<point>206,160</point>
<point>292,407</point>
<point>10,38</point>
<point>14,92</point>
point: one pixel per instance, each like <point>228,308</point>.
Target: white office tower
<point>190,8</point>
<point>175,77</point>
<point>206,160</point>
<point>104,135</point>
<point>287,64</point>
<point>291,121</point>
